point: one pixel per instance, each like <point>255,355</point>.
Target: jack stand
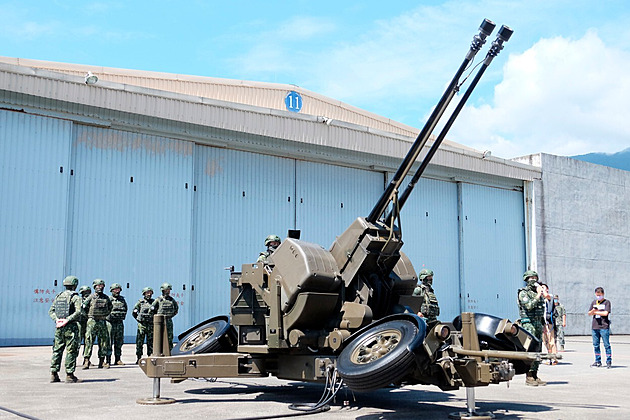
<point>470,406</point>
<point>155,399</point>
<point>160,346</point>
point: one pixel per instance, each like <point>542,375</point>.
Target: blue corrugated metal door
<point>240,198</point>
<point>493,248</point>
<point>131,211</point>
<point>330,198</point>
<point>430,233</point>
<point>34,174</point>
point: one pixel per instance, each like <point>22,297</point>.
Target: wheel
<point>211,336</point>
<point>379,356</point>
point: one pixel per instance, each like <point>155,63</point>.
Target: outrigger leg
<point>470,412</point>
<point>160,348</point>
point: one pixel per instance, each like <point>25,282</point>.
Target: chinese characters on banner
<point>177,297</point>
<point>44,295</point>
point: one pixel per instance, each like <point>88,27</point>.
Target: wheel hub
<point>375,346</point>
<point>198,338</point>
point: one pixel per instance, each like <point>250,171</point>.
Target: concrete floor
<point>575,391</point>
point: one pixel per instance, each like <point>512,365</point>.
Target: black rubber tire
<point>486,326</point>
<point>364,369</point>
<point>212,336</point>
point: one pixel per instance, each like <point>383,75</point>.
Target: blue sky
<point>560,86</point>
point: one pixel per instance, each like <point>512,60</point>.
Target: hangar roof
<point>325,129</point>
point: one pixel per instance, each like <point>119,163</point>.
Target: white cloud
<point>302,27</point>
<point>561,96</point>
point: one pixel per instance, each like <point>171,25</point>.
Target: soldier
<point>84,291</point>
<point>142,313</point>
<point>271,242</point>
<point>65,311</point>
<point>560,319</point>
<point>97,307</point>
<point>167,306</point>
<point>117,326</point>
<point>531,307</point>
<point>430,308</point>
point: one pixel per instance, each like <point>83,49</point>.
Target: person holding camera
<point>549,337</point>
<point>600,327</point>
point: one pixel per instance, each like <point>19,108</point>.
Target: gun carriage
<point>350,308</point>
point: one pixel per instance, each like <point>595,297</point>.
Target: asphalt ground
<point>574,391</point>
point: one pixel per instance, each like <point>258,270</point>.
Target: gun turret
<point>368,253</point>
<point>308,296</point>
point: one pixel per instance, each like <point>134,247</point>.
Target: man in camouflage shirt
<point>85,292</point>
<point>560,321</point>
<point>142,313</point>
<point>167,306</point>
<point>531,307</point>
<point>97,307</point>
<point>272,242</point>
<point>117,325</point>
<point>65,311</point>
<point>429,309</point>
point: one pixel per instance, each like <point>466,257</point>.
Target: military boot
<point>70,378</point>
<point>54,377</point>
<point>107,363</point>
<point>119,362</point>
<point>539,381</point>
<point>530,380</point>
<point>86,363</point>
<point>100,362</point>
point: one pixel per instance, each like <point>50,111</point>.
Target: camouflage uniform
<point>430,309</point>
<point>142,313</point>
<point>167,306</point>
<point>117,326</point>
<point>83,318</point>
<point>558,314</point>
<point>532,312</point>
<point>67,305</point>
<point>271,247</point>
<point>97,307</point>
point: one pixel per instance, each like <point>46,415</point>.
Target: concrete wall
<point>583,236</point>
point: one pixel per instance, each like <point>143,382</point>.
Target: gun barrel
<point>485,30</point>
<point>503,36</point>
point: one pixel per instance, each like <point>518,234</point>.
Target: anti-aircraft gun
<point>309,310</point>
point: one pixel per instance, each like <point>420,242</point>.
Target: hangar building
<point>147,177</point>
<point>582,236</point>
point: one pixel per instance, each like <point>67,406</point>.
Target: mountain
<point>619,160</point>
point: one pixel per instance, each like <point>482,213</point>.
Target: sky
<point>561,84</point>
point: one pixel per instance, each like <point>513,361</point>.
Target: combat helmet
<point>98,282</point>
<point>115,286</point>
<point>165,286</point>
<point>528,274</point>
<point>85,289</point>
<point>272,238</point>
<point>147,289</point>
<point>70,281</point>
<point>424,277</point>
